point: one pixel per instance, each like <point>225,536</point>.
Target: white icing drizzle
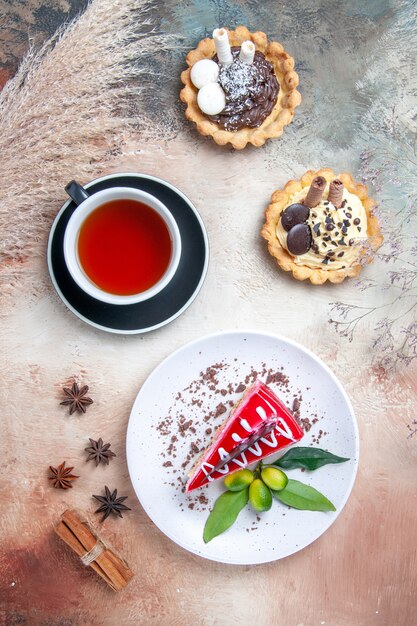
<point>255,449</point>
<point>245,424</point>
<point>269,404</point>
<point>243,462</point>
<point>261,412</point>
<point>223,455</point>
<point>285,431</point>
<point>273,443</point>
<point>205,471</point>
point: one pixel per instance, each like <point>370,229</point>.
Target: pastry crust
<point>281,114</point>
<point>280,200</point>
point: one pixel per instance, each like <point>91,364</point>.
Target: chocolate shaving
<point>315,193</point>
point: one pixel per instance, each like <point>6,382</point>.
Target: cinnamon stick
<point>108,565</point>
<point>120,565</point>
<point>79,529</point>
<point>109,562</point>
<point>81,538</point>
<point>66,535</point>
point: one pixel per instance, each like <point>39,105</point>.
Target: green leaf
<point>308,458</point>
<point>225,511</point>
<point>300,496</point>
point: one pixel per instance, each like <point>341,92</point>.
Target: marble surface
<point>357,78</point>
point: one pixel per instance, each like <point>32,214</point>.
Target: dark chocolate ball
<point>294,214</point>
<point>299,239</point>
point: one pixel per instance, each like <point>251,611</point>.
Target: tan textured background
<point>363,570</point>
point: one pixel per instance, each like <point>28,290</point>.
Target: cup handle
<point>77,193</point>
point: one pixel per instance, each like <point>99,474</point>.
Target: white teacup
<point>89,203</point>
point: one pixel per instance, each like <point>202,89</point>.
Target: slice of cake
<point>258,411</point>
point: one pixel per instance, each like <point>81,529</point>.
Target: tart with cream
<point>259,425</point>
<point>240,88</point>
<point>322,227</point>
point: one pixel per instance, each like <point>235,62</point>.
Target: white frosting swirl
<point>342,242</point>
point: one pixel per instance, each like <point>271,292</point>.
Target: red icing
<point>258,406</point>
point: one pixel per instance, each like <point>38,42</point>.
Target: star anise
<point>61,476</point>
<point>99,452</point>
<point>110,503</point>
<point>76,399</point>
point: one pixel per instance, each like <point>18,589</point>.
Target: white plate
<point>167,393</point>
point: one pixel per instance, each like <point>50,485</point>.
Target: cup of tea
<point>121,245</point>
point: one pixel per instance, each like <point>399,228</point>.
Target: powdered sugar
<point>251,92</point>
<point>239,80</point>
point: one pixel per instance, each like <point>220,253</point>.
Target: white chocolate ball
<point>211,99</point>
<point>204,72</point>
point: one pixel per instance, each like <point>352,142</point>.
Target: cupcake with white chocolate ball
<point>240,88</point>
<point>322,227</point>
